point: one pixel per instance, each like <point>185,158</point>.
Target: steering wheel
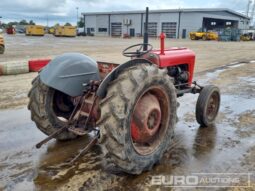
<point>139,52</point>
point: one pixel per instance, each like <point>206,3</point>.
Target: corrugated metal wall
<point>168,22</point>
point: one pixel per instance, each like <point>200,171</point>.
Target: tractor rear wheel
<point>48,108</point>
<point>208,105</point>
<point>1,49</point>
<point>138,117</point>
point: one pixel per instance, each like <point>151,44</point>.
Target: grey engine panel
<point>68,72</point>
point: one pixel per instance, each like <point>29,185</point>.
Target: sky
<point>62,11</point>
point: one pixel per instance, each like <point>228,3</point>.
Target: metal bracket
<point>73,119</point>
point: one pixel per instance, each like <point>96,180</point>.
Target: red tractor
<point>131,107</point>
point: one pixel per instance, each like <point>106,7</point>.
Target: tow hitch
<point>89,97</point>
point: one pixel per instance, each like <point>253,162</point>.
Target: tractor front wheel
<point>138,117</point>
<point>208,105</point>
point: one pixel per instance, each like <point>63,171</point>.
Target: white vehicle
<point>81,32</point>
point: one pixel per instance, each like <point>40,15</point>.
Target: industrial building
<point>176,23</point>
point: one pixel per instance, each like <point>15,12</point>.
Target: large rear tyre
<point>208,105</point>
<point>132,144</point>
<point>48,107</point>
<point>2,49</point>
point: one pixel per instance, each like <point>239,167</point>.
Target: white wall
<point>191,21</point>
<point>102,21</point>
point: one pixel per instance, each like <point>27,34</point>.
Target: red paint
<point>176,56</point>
<point>162,43</point>
<point>10,30</point>
<point>37,65</point>
<point>105,68</point>
<point>146,119</point>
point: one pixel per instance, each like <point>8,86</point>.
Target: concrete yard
<point>210,54</point>
<point>228,147</point>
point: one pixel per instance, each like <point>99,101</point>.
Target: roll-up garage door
<point>169,28</point>
<point>116,29</point>
<point>152,29</point>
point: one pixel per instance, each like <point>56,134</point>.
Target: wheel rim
<point>62,105</point>
<point>213,106</point>
<point>150,119</point>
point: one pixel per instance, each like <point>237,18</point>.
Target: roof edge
<point>168,11</point>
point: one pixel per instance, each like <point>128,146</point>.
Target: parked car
<point>81,32</point>
<point>21,31</point>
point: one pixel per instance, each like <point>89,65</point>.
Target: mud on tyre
<point>2,49</point>
<point>117,108</point>
<point>47,105</point>
<point>208,105</point>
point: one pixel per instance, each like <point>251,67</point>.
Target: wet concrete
<point>228,147</point>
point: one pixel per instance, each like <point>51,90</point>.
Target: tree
<point>12,24</point>
<point>68,24</point>
<point>31,22</point>
<point>23,22</point>
<point>81,24</point>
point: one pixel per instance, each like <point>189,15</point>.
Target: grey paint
<point>69,73</point>
<point>101,22</point>
<point>171,11</point>
<point>191,19</point>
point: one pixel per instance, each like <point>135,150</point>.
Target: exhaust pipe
<point>145,36</point>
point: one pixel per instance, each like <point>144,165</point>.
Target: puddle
<point>249,80</point>
<point>236,65</point>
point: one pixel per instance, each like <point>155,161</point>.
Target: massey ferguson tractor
<point>130,108</point>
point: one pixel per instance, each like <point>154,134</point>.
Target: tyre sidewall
<point>42,112</point>
<point>2,49</point>
<point>56,123</point>
<point>145,160</point>
<point>203,101</point>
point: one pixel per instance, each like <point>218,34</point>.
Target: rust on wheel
<point>149,119</point>
<point>138,117</point>
<point>62,105</point>
<point>50,109</point>
<point>213,106</point>
<point>208,105</point>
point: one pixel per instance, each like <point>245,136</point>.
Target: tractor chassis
<point>78,112</point>
<point>196,88</point>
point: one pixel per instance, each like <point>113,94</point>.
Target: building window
<point>102,29</point>
<point>213,23</point>
<point>228,23</point>
<point>92,30</point>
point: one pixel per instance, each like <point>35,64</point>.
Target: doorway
<point>132,32</point>
<point>184,33</point>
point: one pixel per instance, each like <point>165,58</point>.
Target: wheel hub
<point>146,119</point>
